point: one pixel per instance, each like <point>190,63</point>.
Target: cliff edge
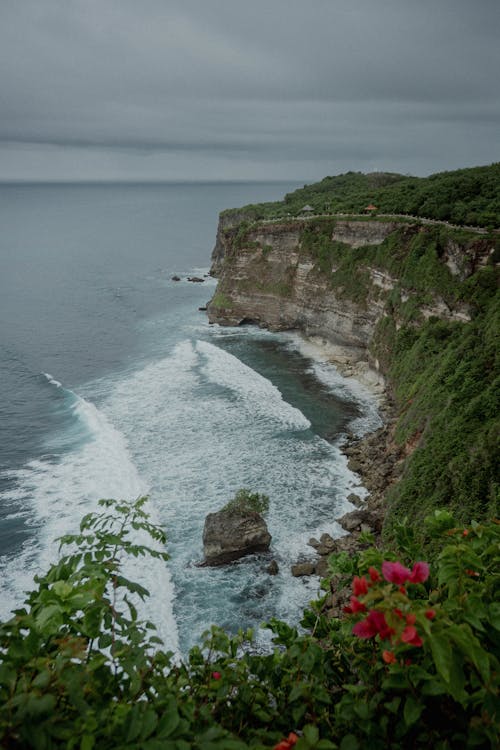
<point>396,297</point>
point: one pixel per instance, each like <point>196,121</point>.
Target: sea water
<point>113,384</point>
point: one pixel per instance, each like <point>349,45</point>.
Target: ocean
<point>113,384</point>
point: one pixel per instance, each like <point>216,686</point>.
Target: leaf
<point>349,742</point>
<point>311,734</point>
<point>442,654</point>
<point>471,648</point>
<point>168,722</point>
<point>88,741</point>
<point>412,710</point>
<point>494,615</point>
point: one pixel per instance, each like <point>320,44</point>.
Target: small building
<point>370,209</point>
<point>307,209</point>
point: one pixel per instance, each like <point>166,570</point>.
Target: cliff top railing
<point>403,218</point>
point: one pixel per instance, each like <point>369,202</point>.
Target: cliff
<point>282,275</point>
<point>376,290</point>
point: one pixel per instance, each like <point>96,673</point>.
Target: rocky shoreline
<point>379,462</point>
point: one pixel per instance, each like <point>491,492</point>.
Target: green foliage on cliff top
<point>420,667</point>
<point>464,196</point>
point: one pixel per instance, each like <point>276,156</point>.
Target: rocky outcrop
<point>271,282</point>
<point>229,535</point>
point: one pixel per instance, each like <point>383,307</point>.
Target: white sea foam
<point>57,493</point>
<point>200,424</point>
<point>52,380</point>
<point>257,394</point>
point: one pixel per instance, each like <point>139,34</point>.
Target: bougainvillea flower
<point>394,572</point>
<point>430,614</point>
<point>410,636</point>
<point>419,573</point>
<point>374,624</point>
<point>359,586</point>
<point>374,574</point>
<point>389,657</point>
<point>286,744</point>
<point>356,605</point>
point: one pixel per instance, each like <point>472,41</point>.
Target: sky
<point>246,89</point>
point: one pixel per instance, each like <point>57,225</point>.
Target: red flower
<point>430,614</point>
<point>419,573</point>
<point>394,572</point>
<point>216,675</point>
<point>374,624</point>
<point>359,586</point>
<point>286,744</point>
<point>356,605</point>
<point>374,574</point>
<point>411,636</point>
<point>465,532</point>
<point>389,657</point>
<point>402,590</point>
<point>411,619</point>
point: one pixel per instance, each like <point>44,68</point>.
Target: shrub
<point>414,663</point>
<point>248,502</point>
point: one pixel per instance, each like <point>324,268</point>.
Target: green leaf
<point>494,615</point>
<point>168,722</point>
<point>311,734</point>
<point>412,710</point>
<point>349,742</point>
<point>88,741</point>
<point>442,653</point>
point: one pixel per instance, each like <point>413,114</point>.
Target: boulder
<point>176,278</point>
<point>273,568</point>
<point>196,279</point>
<point>229,535</point>
<point>303,569</point>
<point>353,521</point>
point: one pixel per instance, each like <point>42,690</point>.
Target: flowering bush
<point>415,662</point>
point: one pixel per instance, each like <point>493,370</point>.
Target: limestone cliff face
<point>267,276</point>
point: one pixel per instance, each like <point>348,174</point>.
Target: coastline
<point>372,454</point>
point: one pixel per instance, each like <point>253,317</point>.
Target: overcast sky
<point>246,89</point>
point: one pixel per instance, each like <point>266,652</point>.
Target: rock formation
<point>229,535</point>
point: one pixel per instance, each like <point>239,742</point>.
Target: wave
<point>54,492</point>
<point>255,392</point>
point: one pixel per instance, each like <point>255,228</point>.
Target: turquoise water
<point>115,385</point>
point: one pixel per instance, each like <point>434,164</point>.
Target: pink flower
<point>394,572</point>
<point>411,619</point>
<point>419,573</point>
<point>359,585</point>
<point>374,624</point>
<point>216,675</point>
<point>411,636</point>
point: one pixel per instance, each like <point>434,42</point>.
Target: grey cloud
<point>283,78</point>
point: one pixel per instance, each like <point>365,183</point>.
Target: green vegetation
<point>447,383</point>
<point>246,501</point>
<point>414,663</point>
<point>463,197</point>
<point>221,300</point>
